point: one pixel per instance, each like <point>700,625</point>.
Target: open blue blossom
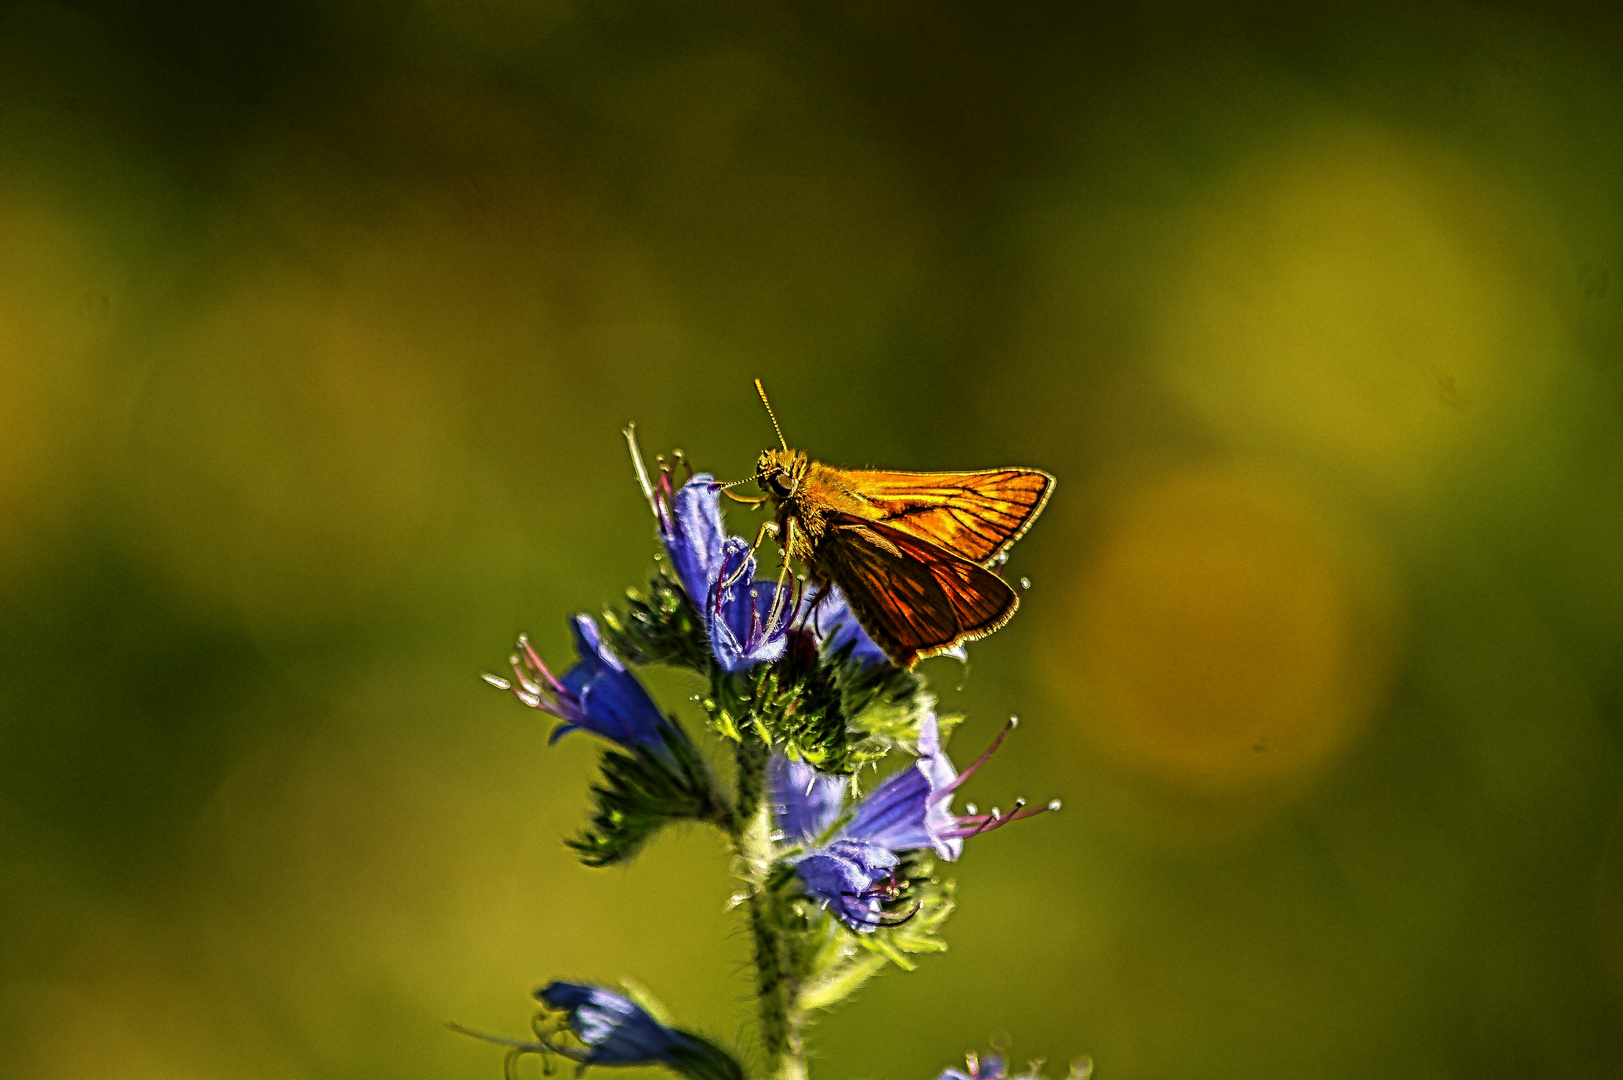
<point>910,811</point>
<point>806,802</point>
<point>598,694</point>
<point>913,809</point>
<point>745,625</point>
<point>742,617</point>
<point>615,1031</point>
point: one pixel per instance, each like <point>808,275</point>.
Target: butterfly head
<point>780,472</point>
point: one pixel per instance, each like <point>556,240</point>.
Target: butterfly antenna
<point>723,487</point>
<point>759,389</point>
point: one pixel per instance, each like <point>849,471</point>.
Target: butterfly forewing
<point>974,515</point>
<point>914,598</point>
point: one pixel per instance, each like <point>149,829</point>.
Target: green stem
<point>774,989</point>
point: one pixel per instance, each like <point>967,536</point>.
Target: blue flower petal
<point>842,876</point>
<point>613,703</point>
<point>717,572</point>
<point>806,801</point>
<point>694,535</point>
<point>904,813</point>
<point>617,1031</point>
<point>895,814</point>
<point>589,647</point>
<point>560,731</point>
<point>737,615</point>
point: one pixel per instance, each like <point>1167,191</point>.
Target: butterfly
<point>912,551</point>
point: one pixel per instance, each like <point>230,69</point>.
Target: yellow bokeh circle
<point>1225,638</point>
<point>1363,301</point>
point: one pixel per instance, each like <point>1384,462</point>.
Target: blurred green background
<point>318,326</point>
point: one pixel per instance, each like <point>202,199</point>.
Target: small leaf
<point>640,791</point>
<point>841,982</point>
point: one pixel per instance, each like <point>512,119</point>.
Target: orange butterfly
<point>911,551</point>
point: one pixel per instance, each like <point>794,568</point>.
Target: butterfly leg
<point>779,610</point>
<point>811,609</point>
<point>767,528</point>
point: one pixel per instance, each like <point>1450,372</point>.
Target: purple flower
<point>691,528</point>
<point>744,625</point>
<point>805,801</point>
<point>717,572</point>
<point>615,1031</point>
<point>598,694</point>
<point>854,879</point>
<point>910,811</point>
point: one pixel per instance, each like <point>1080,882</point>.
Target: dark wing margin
<point>975,515</point>
<point>915,600</point>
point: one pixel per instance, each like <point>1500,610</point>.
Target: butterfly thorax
<point>807,494</point>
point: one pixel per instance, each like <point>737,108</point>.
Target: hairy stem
<point>774,987</point>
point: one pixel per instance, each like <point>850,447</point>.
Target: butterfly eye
<point>778,485</point>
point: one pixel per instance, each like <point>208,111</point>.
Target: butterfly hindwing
<point>914,599</point>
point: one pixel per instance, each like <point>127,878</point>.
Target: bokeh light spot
<point>1220,640</point>
<point>1364,300</point>
<point>57,296</point>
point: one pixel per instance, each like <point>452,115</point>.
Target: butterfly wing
<point>976,515</point>
<point>913,598</point>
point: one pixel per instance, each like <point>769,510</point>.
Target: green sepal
<point>642,790</point>
<point>658,625</point>
<point>837,714</point>
<point>885,703</point>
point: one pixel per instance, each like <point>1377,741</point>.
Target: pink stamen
<point>536,685</point>
<point>974,826</point>
<point>887,890</point>
<point>533,661</point>
<point>664,498</point>
<point>947,789</point>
